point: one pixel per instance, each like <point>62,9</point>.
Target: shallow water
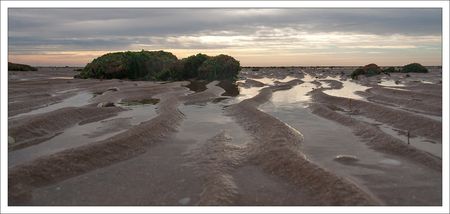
<point>80,99</point>
<point>79,135</point>
<point>390,83</point>
<point>204,122</point>
<point>294,97</point>
<point>247,93</point>
<point>348,89</point>
<point>265,80</point>
<point>418,142</point>
<point>287,79</point>
<point>382,174</point>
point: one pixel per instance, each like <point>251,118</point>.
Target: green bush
<point>389,70</point>
<point>367,70</point>
<point>20,67</point>
<point>160,65</point>
<point>192,64</point>
<point>144,65</point>
<point>414,68</point>
<point>356,73</point>
<point>175,72</point>
<point>219,68</point>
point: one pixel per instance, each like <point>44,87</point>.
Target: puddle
<point>427,82</point>
<point>294,97</point>
<point>297,96</point>
<point>287,79</point>
<point>204,122</point>
<point>418,142</point>
<point>81,99</point>
<point>348,89</point>
<point>324,84</point>
<point>247,93</point>
<point>308,77</point>
<point>391,83</point>
<point>397,88</point>
<point>265,80</point>
<point>79,135</point>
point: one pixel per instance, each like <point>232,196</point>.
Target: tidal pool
<point>80,99</point>
<point>79,135</point>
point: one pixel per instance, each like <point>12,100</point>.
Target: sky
<point>255,37</point>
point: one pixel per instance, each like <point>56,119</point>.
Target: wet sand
<point>292,136</point>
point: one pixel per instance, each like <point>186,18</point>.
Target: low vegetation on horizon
<point>161,65</point>
<point>374,69</point>
<point>20,67</point>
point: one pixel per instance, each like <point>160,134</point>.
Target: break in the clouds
<point>253,36</point>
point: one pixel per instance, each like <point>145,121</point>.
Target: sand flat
<point>277,142</point>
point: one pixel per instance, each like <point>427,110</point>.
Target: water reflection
<point>348,89</point>
<point>81,99</point>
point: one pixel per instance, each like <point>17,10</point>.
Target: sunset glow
<point>256,37</point>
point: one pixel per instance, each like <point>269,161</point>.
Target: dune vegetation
<point>373,69</point>
<point>414,68</point>
<point>160,66</point>
<point>20,67</point>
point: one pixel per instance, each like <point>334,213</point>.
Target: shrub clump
<point>219,67</point>
<point>160,65</point>
<point>389,70</point>
<point>192,64</point>
<point>367,70</point>
<point>20,67</point>
<point>143,65</point>
<point>414,68</point>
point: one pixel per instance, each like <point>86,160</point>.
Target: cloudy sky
<point>259,37</point>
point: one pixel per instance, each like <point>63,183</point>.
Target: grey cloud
<point>80,29</point>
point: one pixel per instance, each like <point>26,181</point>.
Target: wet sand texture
<point>212,146</point>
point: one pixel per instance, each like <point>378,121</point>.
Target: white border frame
<point>230,4</point>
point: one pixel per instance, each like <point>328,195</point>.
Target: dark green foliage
<point>173,73</point>
<point>389,70</point>
<point>160,65</point>
<point>219,68</point>
<point>356,73</point>
<point>20,67</point>
<point>367,70</point>
<point>132,65</point>
<point>414,68</point>
<point>191,65</point>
